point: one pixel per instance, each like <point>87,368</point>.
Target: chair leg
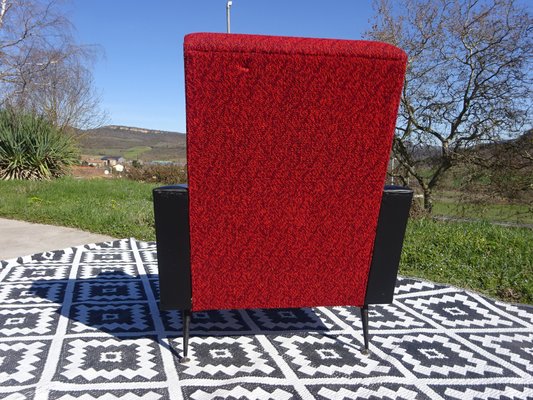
<point>186,317</point>
<point>364,319</point>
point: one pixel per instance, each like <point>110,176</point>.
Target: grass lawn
<point>491,259</point>
<point>116,207</point>
<point>449,204</point>
<point>487,258</point>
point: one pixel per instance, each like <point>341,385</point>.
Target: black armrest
<point>393,214</point>
<point>171,211</point>
<point>180,187</point>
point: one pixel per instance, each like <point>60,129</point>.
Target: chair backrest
<point>288,141</point>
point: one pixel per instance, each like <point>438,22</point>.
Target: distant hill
<point>149,145</point>
<point>511,147</point>
<point>523,142</point>
<point>136,130</point>
<point>132,143</point>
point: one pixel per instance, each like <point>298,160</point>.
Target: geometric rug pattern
<point>83,323</point>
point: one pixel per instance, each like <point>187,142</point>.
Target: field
<point>518,214</point>
<point>133,144</point>
<point>487,258</point>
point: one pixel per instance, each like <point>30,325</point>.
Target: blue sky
<point>141,75</point>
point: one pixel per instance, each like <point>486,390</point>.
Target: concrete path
<point>18,238</point>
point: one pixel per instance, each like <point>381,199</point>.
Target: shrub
<point>167,174</point>
<point>33,148</point>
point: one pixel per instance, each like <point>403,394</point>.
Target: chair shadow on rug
<point>125,306</point>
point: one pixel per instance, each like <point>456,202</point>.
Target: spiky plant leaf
<point>33,148</point>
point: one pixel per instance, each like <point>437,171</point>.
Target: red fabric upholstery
<point>288,141</point>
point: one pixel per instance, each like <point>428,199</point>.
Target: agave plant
<point>33,148</point>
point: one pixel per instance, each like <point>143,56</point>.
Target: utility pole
<point>228,7</point>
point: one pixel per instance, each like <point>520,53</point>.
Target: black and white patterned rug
<point>83,323</point>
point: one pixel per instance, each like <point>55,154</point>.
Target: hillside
<point>132,143</point>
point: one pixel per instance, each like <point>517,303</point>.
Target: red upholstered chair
<point>288,141</point>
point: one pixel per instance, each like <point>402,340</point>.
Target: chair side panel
<point>287,156</point>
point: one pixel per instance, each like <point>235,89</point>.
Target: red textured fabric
<point>288,141</point>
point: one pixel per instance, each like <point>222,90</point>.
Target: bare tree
<point>64,92</point>
<point>42,69</point>
<point>467,80</point>
<point>503,172</point>
<point>30,31</point>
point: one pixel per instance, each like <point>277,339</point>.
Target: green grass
<point>449,203</point>
<point>488,258</point>
<point>116,207</point>
<point>514,213</point>
<point>491,259</point>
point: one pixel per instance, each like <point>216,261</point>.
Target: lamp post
<point>228,7</point>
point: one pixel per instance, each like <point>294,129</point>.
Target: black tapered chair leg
<point>186,317</point>
<point>364,320</point>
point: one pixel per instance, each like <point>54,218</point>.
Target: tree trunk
<point>428,199</point>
